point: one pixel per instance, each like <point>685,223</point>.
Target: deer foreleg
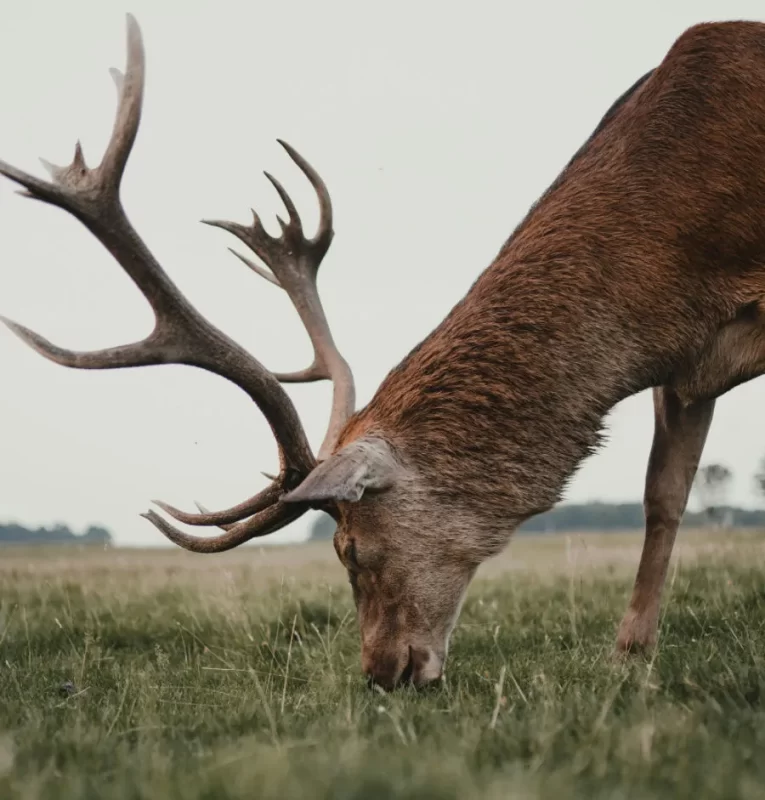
<point>679,436</point>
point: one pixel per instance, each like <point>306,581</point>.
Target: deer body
<point>643,266</point>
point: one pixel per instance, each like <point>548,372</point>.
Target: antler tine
<point>142,353</point>
<point>293,260</point>
<point>266,522</point>
<point>130,87</point>
<point>181,334</point>
<point>203,510</point>
<point>247,508</point>
<point>325,232</point>
<point>256,268</point>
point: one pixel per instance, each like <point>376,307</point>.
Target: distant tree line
<point>572,517</point>
<point>710,488</point>
<point>580,517</point>
<point>58,534</point>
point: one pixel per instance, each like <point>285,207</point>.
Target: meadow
<point>162,674</point>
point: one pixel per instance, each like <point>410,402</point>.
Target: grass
<point>238,676</point>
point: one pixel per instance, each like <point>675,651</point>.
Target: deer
<point>641,267</point>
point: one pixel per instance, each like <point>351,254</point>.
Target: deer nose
<point>419,666</point>
<point>388,669</point>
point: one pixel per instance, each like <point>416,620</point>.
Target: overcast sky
<point>435,126</point>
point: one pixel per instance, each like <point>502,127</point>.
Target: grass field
<point>167,675</point>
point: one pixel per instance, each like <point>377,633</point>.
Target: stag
<point>643,266</point>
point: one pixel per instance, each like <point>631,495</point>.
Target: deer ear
<point>346,475</point>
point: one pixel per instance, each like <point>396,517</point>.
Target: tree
<point>711,487</point>
<point>322,529</point>
<point>759,477</point>
<point>97,534</point>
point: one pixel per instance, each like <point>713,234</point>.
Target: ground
<point>162,674</point>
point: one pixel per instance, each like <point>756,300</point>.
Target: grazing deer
<point>642,266</point>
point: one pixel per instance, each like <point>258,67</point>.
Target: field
<point>161,674</point>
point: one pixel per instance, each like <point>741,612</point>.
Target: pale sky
<point>435,126</point>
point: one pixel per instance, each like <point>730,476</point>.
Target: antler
<point>294,262</point>
<point>181,335</point>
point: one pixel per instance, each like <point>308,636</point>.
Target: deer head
<point>407,567</point>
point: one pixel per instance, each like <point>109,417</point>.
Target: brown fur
<point>643,266</point>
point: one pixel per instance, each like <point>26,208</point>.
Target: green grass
<point>238,677</point>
